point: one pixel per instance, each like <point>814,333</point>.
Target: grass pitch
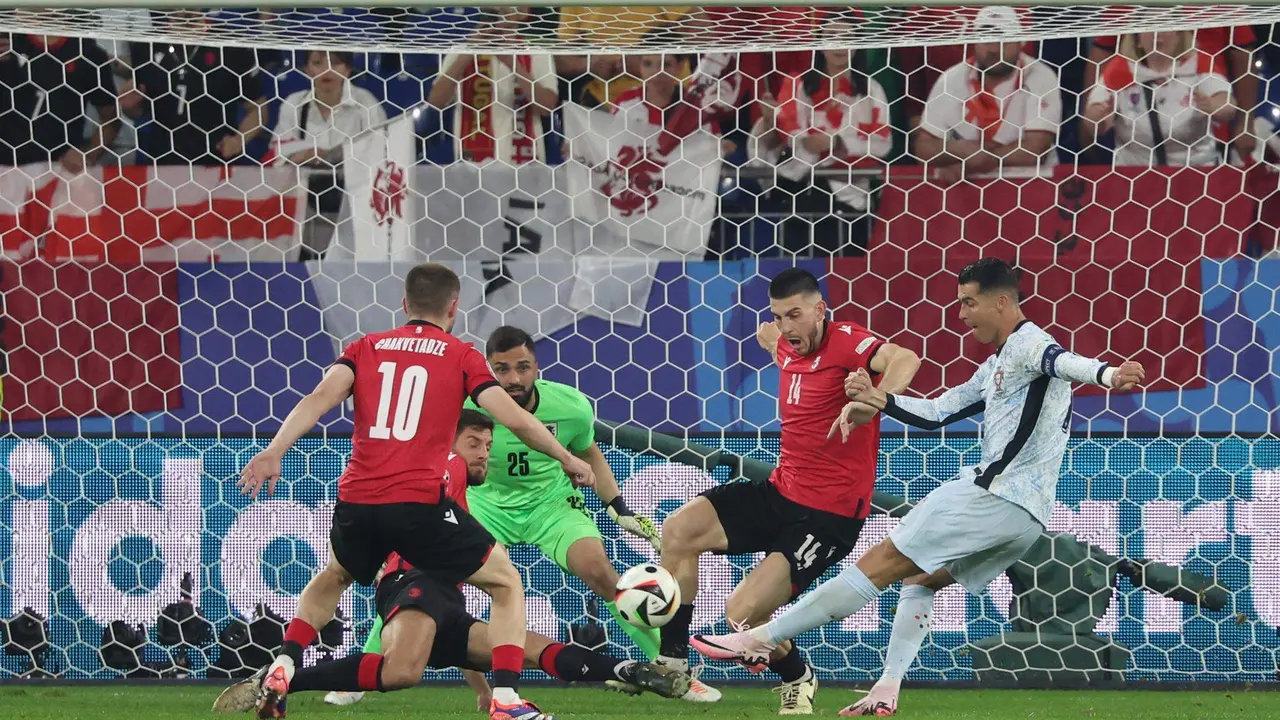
<point>426,703</point>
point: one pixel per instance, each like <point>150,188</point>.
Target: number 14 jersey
<point>409,389</point>
<point>814,470</point>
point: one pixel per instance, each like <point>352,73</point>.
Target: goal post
<point>198,210</point>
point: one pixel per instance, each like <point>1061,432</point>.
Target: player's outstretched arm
<point>525,426</point>
<point>264,468</point>
<point>1056,361</point>
<point>611,495</point>
<point>956,404</point>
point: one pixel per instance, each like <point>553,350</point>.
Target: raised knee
<point>681,533</point>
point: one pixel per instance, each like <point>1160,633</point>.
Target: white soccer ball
<point>648,596</point>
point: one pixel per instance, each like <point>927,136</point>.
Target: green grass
<point>174,702</point>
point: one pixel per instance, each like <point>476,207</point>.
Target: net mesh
<point>196,219</point>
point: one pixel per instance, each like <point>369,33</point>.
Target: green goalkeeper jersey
<point>520,477</point>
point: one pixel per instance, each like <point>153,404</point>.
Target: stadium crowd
<point>1173,99</point>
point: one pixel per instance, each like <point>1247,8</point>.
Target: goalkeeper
<point>526,497</point>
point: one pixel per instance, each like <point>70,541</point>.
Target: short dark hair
<point>792,282</point>
<point>507,338</point>
<point>429,288</point>
<point>474,420</point>
<point>991,274</point>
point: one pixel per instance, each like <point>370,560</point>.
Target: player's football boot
<point>651,677</point>
<point>881,701</point>
<point>524,711</point>
<point>741,647</point>
<point>797,697</point>
<point>699,692</point>
<point>241,697</point>
<point>342,699</point>
<point>272,694</point>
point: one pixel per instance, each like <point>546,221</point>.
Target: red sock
<point>370,674</point>
<point>508,657</point>
<point>547,660</point>
<point>300,632</point>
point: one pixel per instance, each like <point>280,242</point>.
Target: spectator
<point>193,95</point>
<point>599,79</point>
<point>831,117</point>
<point>45,84</point>
<point>1001,108</point>
<point>499,101</point>
<point>1232,48</point>
<point>312,131</point>
<point>1161,96</point>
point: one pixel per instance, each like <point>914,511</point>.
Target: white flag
<point>378,168</point>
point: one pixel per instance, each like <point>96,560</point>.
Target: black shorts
<point>442,602</point>
<point>442,539</point>
<point>757,518</point>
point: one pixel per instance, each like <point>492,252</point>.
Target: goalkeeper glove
<point>641,527</point>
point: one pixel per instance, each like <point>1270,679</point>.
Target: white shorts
<point>974,534</point>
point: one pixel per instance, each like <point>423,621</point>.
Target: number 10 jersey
<point>409,388</point>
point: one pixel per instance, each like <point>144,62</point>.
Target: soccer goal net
<point>199,209</point>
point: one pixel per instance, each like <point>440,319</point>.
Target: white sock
<point>285,662</point>
<point>910,625</point>
<point>835,599</point>
<point>506,696</point>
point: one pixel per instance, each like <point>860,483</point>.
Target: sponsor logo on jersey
<point>846,329</point>
<point>551,428</point>
<point>785,362</point>
<point>449,517</point>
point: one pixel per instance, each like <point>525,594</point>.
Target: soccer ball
<point>648,596</point>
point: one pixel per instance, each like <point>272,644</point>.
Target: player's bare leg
<point>835,599</point>
<point>316,605</point>
<point>498,578</point>
<point>587,560</point>
<point>690,531</point>
<point>765,589</point>
<point>910,626</point>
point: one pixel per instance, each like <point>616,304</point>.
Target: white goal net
<point>199,209</point>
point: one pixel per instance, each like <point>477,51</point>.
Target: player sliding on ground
<point>392,497</point>
<point>527,498</point>
<point>427,623</point>
<point>807,516</point>
<point>971,529</point>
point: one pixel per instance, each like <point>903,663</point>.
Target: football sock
<point>373,645</point>
<point>910,625</point>
<point>675,634</point>
<point>835,599</point>
<point>297,637</point>
<point>352,673</point>
<point>507,662</point>
<point>575,664</point>
<point>791,667</point>
<point>645,638</point>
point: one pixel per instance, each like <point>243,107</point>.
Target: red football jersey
<point>817,472</point>
<point>409,388</point>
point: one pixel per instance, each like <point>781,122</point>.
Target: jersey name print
<point>814,470</point>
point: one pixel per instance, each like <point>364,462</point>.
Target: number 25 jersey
<point>409,389</point>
